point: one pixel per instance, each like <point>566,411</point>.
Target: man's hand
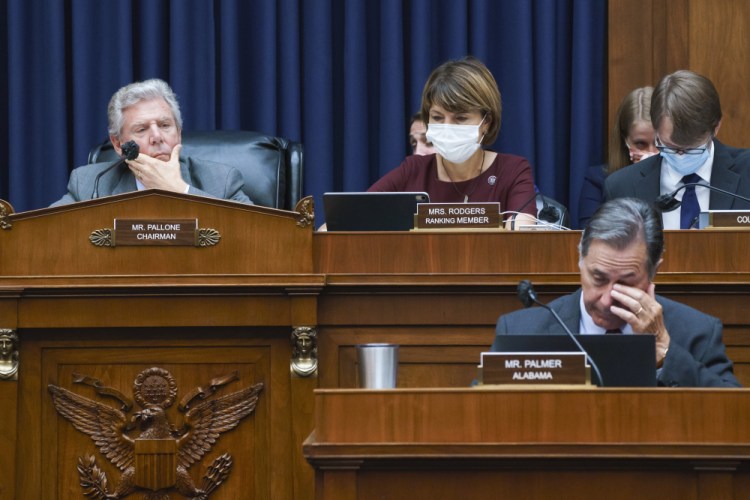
<point>157,174</point>
<point>643,313</point>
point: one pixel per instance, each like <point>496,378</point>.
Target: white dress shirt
<point>671,180</point>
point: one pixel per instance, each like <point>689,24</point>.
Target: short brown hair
<point>636,106</point>
<point>464,85</point>
<point>692,103</point>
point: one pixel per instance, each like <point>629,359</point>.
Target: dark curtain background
<point>341,76</point>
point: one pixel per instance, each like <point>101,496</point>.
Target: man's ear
<point>716,130</point>
<point>116,144</point>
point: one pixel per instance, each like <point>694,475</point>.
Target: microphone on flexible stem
<point>668,202</point>
<point>548,213</point>
<point>130,151</point>
<point>527,296</point>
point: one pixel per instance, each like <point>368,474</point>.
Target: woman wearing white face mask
<point>631,141</point>
<point>462,109</point>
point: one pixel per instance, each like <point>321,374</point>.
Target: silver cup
<point>378,365</point>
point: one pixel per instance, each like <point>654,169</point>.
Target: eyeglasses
<point>676,151</point>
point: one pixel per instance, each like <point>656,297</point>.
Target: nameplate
<point>739,219</point>
<point>458,216</point>
<point>533,368</point>
<point>165,232</point>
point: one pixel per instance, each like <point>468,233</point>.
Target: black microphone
<point>527,296</point>
<point>548,213</point>
<point>668,202</point>
<point>130,151</point>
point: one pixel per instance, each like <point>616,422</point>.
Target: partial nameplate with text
<point>165,232</point>
<point>533,368</point>
<point>735,219</point>
<point>458,216</point>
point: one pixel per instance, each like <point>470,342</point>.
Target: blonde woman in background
<point>631,141</point>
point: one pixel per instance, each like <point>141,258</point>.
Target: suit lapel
<point>648,183</point>
<point>723,177</point>
<point>126,182</point>
<point>569,311</point>
<point>185,170</point>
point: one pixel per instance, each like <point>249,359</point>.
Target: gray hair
<point>136,92</point>
<point>622,221</point>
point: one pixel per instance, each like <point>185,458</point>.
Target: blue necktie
<point>690,208</point>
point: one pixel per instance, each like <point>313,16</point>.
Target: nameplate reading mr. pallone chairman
<point>177,232</point>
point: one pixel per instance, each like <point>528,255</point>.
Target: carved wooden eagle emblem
<point>158,458</point>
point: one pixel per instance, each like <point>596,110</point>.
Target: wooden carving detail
<point>305,208</point>
<point>304,351</point>
<point>101,237</point>
<point>5,210</point>
<point>157,460</point>
<point>207,237</point>
<point>8,354</point>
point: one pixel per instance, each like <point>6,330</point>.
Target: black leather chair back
<point>271,166</point>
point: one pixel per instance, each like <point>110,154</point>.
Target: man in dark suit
<point>620,252</point>
<point>686,114</point>
<point>148,113</point>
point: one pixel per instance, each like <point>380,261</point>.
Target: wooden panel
<point>501,257</point>
<point>528,443</point>
<point>261,445</point>
<point>254,240</point>
<point>428,357</point>
<point>719,49</point>
<point>631,55</point>
<point>445,253</point>
<point>538,416</point>
<point>648,39</point>
<point>155,310</point>
<point>8,435</point>
<point>502,484</point>
<point>8,403</point>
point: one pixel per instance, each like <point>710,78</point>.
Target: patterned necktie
<point>690,208</point>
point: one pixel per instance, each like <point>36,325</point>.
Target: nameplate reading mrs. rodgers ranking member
<point>458,216</point>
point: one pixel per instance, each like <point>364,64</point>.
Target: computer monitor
<point>376,211</point>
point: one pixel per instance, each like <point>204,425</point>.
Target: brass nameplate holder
<point>458,216</point>
<point>735,219</point>
<point>552,368</point>
<point>155,232</point>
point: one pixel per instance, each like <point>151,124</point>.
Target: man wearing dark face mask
<point>686,114</point>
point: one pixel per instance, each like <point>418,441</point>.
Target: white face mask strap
<point>479,126</point>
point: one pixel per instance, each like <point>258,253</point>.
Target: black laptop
<point>624,360</point>
<point>371,211</point>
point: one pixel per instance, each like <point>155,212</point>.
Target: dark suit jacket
<point>696,357</point>
<point>206,178</point>
<point>592,193</point>
<point>730,172</point>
